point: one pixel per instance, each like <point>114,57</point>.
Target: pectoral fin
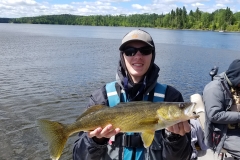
<point>149,121</point>
<point>147,138</point>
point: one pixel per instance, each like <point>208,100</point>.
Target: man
<point>222,105</point>
<point>136,81</point>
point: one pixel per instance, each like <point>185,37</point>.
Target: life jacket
<point>116,95</point>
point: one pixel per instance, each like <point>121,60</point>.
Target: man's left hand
<point>180,128</point>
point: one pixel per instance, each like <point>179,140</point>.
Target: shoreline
<point>135,27</point>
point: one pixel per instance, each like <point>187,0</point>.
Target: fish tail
<point>56,135</point>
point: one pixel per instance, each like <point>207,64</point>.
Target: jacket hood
<point>150,78</point>
<point>233,73</point>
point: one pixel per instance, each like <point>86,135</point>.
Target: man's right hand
<point>106,132</point>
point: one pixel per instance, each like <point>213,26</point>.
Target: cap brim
<point>125,43</point>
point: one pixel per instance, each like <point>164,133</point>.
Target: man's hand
<point>106,132</point>
<point>180,128</point>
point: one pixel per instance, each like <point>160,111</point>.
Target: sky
<point>30,8</point>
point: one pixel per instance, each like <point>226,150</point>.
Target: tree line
<point>222,19</point>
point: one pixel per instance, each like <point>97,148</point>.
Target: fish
<point>138,116</point>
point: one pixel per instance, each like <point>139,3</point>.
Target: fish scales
<point>115,117</point>
<point>140,116</point>
<point>131,120</point>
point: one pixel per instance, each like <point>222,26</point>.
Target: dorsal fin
<point>126,104</point>
<point>91,109</point>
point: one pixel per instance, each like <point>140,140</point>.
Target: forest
<point>222,19</point>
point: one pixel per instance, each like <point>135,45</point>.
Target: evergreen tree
<point>176,19</point>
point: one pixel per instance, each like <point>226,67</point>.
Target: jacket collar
<point>151,79</point>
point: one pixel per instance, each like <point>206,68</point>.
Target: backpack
<point>215,132</point>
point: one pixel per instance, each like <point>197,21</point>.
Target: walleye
<point>139,116</point>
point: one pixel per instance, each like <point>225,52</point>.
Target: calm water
<point>49,71</point>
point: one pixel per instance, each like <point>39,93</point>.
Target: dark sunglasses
<point>131,51</point>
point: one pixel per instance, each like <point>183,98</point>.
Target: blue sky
<point>27,8</point>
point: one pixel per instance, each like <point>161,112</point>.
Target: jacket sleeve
<point>173,95</point>
<point>179,149</point>
<point>215,107</point>
<point>86,148</point>
<point>176,147</point>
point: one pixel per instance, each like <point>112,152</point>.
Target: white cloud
<point>224,1</point>
<point>83,10</point>
<point>159,8</point>
<point>197,5</point>
<point>220,6</point>
<point>115,1</point>
<point>18,2</point>
<point>27,8</point>
<point>63,7</point>
<point>175,1</point>
<point>137,6</point>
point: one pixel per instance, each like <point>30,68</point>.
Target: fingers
<point>180,128</point>
<point>187,126</point>
<point>106,132</point>
<point>176,128</point>
<point>170,129</point>
<point>95,132</point>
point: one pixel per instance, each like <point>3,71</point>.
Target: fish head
<point>177,111</point>
<point>189,110</point>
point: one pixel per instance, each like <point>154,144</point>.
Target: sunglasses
<point>131,51</point>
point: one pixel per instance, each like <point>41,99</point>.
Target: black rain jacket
<point>161,149</point>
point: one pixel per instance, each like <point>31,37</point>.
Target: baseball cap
<point>137,35</point>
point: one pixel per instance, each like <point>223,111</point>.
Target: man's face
<point>138,64</point>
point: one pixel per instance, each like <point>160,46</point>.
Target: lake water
<point>49,71</point>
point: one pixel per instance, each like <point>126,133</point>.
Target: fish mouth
<point>191,111</point>
<point>195,115</point>
<point>199,105</point>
